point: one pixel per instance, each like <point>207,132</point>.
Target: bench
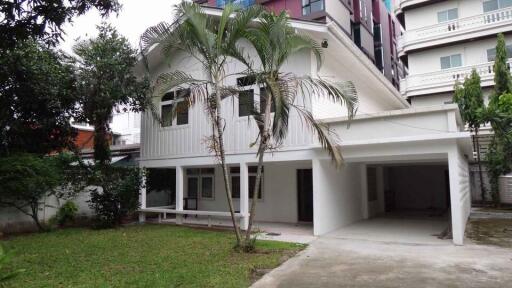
<point>164,211</point>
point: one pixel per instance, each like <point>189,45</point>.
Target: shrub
<point>66,213</point>
<point>116,194</point>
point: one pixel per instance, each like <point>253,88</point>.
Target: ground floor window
<point>235,181</point>
<point>201,182</point>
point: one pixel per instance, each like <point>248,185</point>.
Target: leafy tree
<point>275,41</point>
<point>498,114</point>
<point>37,99</point>
<point>107,82</point>
<point>27,179</point>
<point>211,41</point>
<point>470,100</point>
<point>43,20</point>
<point>502,79</point>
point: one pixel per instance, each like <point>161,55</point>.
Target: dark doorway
<point>305,194</point>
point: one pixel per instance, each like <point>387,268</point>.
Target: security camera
<point>325,44</point>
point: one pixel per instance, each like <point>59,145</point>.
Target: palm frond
<point>328,138</point>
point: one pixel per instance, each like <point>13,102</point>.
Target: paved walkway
<point>344,259</point>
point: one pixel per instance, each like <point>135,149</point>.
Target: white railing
<point>447,78</point>
<point>460,26</point>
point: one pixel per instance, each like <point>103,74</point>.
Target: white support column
<point>244,195</point>
<point>455,198</point>
<point>364,191</point>
<point>179,193</point>
<point>142,200</point>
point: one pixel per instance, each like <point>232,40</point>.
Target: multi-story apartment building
<point>369,23</point>
<point>444,40</point>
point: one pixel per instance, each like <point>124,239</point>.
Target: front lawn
<point>139,256</point>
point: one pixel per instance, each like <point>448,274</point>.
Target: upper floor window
<point>246,98</point>
<point>174,102</point>
<point>451,61</point>
<point>447,15</point>
<point>492,5</point>
<point>312,6</point>
<point>491,53</point>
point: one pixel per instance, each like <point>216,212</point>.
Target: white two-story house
<point>398,160</point>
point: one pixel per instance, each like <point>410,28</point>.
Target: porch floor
<point>394,229</point>
<point>286,232</point>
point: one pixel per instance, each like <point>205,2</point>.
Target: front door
<point>305,194</point>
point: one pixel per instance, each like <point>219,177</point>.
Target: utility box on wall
<point>506,189</point>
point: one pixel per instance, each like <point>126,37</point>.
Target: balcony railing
<point>442,81</point>
<point>457,27</point>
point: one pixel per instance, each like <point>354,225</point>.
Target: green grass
<point>138,256</point>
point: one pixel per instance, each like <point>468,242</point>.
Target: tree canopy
<point>105,69</point>
<point>43,20</point>
<point>37,99</point>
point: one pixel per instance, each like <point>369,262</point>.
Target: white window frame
<point>256,97</point>
<point>447,14</point>
<point>199,178</point>
<point>509,52</point>
<point>451,65</point>
<point>499,2</point>
<point>249,174</point>
<point>174,101</point>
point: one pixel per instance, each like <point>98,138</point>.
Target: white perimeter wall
<point>279,201</point>
<point>337,197</point>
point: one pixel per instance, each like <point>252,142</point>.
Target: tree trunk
<point>220,136</point>
<point>101,141</point>
<point>264,138</point>
<point>482,186</point>
<point>35,217</point>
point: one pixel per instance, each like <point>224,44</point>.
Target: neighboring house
<point>443,41</point>
<point>397,158</point>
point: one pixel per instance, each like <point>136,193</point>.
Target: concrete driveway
<point>330,261</point>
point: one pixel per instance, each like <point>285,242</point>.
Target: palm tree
<point>209,40</point>
<point>275,41</point>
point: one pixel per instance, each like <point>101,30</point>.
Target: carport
<point>405,172</point>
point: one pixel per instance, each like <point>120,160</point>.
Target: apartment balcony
<point>444,81</point>
<point>462,29</point>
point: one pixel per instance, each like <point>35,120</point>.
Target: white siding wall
<point>339,13</point>
<point>337,196</point>
<point>189,140</point>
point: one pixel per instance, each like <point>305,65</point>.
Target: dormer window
<point>171,100</point>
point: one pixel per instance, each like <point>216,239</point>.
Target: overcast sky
<point>132,21</point>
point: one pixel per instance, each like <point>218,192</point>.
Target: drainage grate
<point>273,234</point>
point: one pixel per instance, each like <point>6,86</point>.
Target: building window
<point>201,181</point>
<point>175,102</point>
<point>491,53</point>
<point>447,15</point>
<point>312,6</point>
<point>363,10</point>
<point>235,181</point>
<point>247,103</point>
<point>451,61</point>
<point>492,5</point>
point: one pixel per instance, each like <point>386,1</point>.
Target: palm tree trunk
<point>265,137</point>
<point>482,186</point>
<point>222,156</point>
